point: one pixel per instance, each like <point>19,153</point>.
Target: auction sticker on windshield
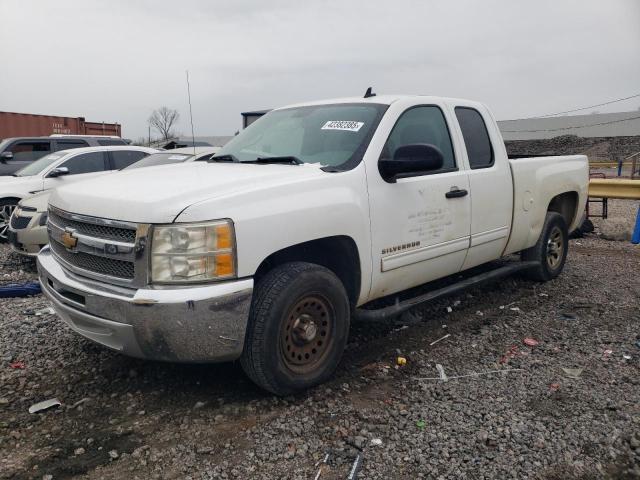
<point>348,125</point>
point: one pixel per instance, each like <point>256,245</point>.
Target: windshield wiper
<point>224,158</point>
<point>283,159</point>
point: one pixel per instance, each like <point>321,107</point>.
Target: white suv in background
<point>28,226</point>
<point>60,168</point>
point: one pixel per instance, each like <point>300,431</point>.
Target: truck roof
<point>379,99</point>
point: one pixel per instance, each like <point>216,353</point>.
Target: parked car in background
<point>18,152</point>
<point>27,232</point>
<point>177,155</point>
<point>309,215</point>
<point>60,168</point>
<point>28,225</point>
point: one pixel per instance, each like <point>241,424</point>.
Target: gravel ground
<point>567,408</point>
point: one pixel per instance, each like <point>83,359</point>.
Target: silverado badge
<point>68,240</point>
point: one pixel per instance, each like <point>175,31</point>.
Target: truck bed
<point>536,181</point>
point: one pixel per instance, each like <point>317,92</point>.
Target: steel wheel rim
<point>5,218</point>
<point>555,248</point>
<point>306,335</point>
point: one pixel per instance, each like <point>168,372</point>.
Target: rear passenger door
<point>81,167</point>
<point>490,185</point>
<point>123,158</point>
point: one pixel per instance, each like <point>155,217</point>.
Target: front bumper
<point>180,324</point>
<point>29,240</point>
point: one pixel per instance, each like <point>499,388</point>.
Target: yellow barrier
<point>611,188</point>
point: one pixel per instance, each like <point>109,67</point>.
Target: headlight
<point>193,252</point>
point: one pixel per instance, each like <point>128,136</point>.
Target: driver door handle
<point>456,192</point>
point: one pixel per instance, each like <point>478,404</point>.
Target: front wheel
<point>550,251</point>
<point>298,328</point>
<point>7,206</point>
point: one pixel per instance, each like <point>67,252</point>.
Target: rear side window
<point>67,144</point>
<point>476,137</point>
<point>422,125</point>
<point>124,158</point>
<point>111,141</point>
<point>86,163</point>
<point>26,151</point>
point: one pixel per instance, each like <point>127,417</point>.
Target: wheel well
<point>566,205</point>
<point>339,254</point>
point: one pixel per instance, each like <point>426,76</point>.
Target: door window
<point>124,158</point>
<point>111,141</point>
<point>69,144</point>
<point>422,125</point>
<point>86,163</point>
<point>27,151</point>
<point>476,137</point>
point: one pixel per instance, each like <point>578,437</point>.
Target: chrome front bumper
<point>186,324</point>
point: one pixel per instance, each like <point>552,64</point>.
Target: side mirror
<point>411,160</point>
<point>58,171</point>
<point>4,156</point>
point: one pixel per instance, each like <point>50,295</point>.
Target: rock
<point>616,229</point>
<point>79,451</point>
<point>113,454</point>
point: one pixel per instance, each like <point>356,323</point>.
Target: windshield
<point>329,135</point>
<point>34,168</point>
<point>159,159</point>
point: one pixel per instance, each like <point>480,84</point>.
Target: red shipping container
<point>31,125</point>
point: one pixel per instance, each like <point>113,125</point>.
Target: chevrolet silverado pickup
<point>265,252</point>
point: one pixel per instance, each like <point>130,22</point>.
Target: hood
<point>19,185</point>
<point>159,194</point>
<point>39,201</point>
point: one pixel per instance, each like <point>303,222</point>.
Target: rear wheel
<point>7,206</point>
<point>550,251</point>
<point>298,328</point>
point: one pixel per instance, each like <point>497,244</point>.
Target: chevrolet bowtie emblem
<point>68,240</point>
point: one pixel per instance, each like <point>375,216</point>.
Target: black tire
<point>550,251</point>
<point>7,205</point>
<point>298,328</point>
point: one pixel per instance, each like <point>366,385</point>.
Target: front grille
<point>18,223</point>
<point>96,264</point>
<point>99,231</point>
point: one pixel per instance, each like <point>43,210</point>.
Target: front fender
<point>270,218</point>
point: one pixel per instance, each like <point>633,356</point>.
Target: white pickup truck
<point>265,252</point>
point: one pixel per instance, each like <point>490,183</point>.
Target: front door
<point>419,233</point>
<point>24,153</point>
<point>81,166</point>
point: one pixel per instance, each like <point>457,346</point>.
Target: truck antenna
<point>193,137</point>
<point>369,93</point>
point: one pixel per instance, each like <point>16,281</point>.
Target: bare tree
<point>163,120</point>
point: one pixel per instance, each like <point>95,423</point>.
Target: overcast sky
<point>117,60</point>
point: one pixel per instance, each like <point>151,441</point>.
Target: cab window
<point>476,137</point>
<point>424,124</point>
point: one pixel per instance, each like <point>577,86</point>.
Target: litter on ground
<point>44,405</point>
<point>573,372</point>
